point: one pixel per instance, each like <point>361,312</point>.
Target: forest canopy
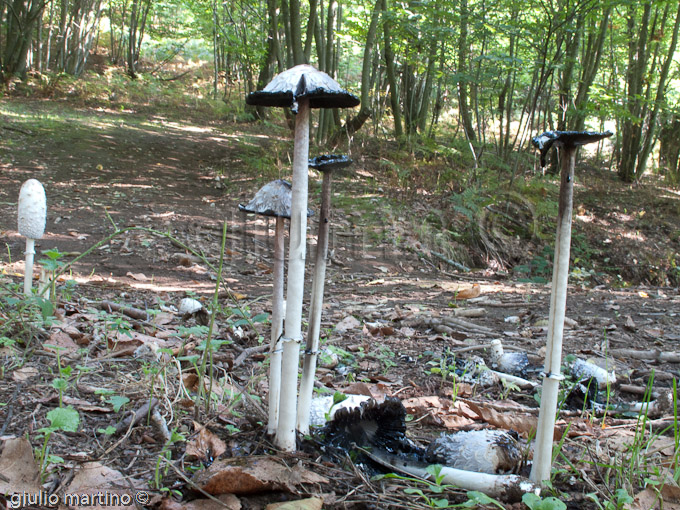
<point>488,73</point>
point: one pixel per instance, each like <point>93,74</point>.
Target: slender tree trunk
<point>391,74</point>
<point>296,32</point>
<point>354,124</point>
<point>631,133</point>
<point>463,68</point>
<point>650,135</point>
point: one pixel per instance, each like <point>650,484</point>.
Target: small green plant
<point>60,383</point>
<point>53,265</point>
<point>535,502</point>
<point>62,418</point>
<point>165,454</point>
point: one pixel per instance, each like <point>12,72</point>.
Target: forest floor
<point>395,320</point>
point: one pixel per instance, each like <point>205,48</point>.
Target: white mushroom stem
<point>285,433</point>
<point>540,470</point>
<point>277,327</point>
<point>28,271</point>
<point>504,487</point>
<point>311,353</point>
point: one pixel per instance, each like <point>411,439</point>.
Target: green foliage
<point>535,502</point>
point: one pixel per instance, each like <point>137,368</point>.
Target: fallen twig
<point>135,313</point>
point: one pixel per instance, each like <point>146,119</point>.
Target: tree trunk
<point>631,133</point>
<point>391,74</point>
<point>21,18</point>
<point>463,51</point>
<point>296,32</point>
<point>660,96</point>
<point>365,112</point>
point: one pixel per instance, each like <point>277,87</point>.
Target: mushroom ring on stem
<point>568,142</point>
<point>299,88</point>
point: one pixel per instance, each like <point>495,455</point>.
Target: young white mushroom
<point>300,88</point>
<point>32,215</point>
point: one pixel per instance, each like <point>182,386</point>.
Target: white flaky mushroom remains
<point>32,215</point>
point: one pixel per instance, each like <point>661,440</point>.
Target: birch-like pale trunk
<point>277,327</point>
<point>285,433</point>
<point>311,353</point>
<point>540,470</point>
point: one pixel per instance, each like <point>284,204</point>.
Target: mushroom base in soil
<point>300,88</point>
<point>568,142</point>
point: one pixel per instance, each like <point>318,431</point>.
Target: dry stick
<point>248,352</point>
<point>311,353</point>
<point>137,416</point>
<point>285,432</point>
<point>135,313</point>
<point>649,355</point>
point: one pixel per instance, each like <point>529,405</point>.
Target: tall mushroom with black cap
<point>568,142</point>
<point>326,164</point>
<point>300,88</point>
<point>274,199</point>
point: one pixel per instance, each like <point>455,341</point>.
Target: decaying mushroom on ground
<point>326,164</point>
<point>299,88</point>
<point>32,214</point>
<point>274,199</point>
<point>568,142</point>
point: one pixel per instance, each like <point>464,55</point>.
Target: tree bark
<point>463,51</point>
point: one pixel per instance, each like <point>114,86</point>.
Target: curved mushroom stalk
<point>299,88</point>
<point>568,141</point>
<point>32,213</point>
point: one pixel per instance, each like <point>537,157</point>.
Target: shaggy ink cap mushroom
<point>272,199</point>
<point>329,162</point>
<point>567,139</point>
<point>299,82</point>
<point>32,210</point>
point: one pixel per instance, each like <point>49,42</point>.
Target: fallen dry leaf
<point>346,324</point>
<point>25,373</point>
<point>93,479</point>
<point>206,446</point>
<point>669,499</point>
<point>302,504</point>
<point>254,476</point>
<point>469,293</point>
<point>18,466</point>
<point>140,277</point>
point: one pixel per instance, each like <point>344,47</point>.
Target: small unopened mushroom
<point>31,219</point>
<point>274,199</point>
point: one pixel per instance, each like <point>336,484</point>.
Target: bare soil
<point>107,169</point>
